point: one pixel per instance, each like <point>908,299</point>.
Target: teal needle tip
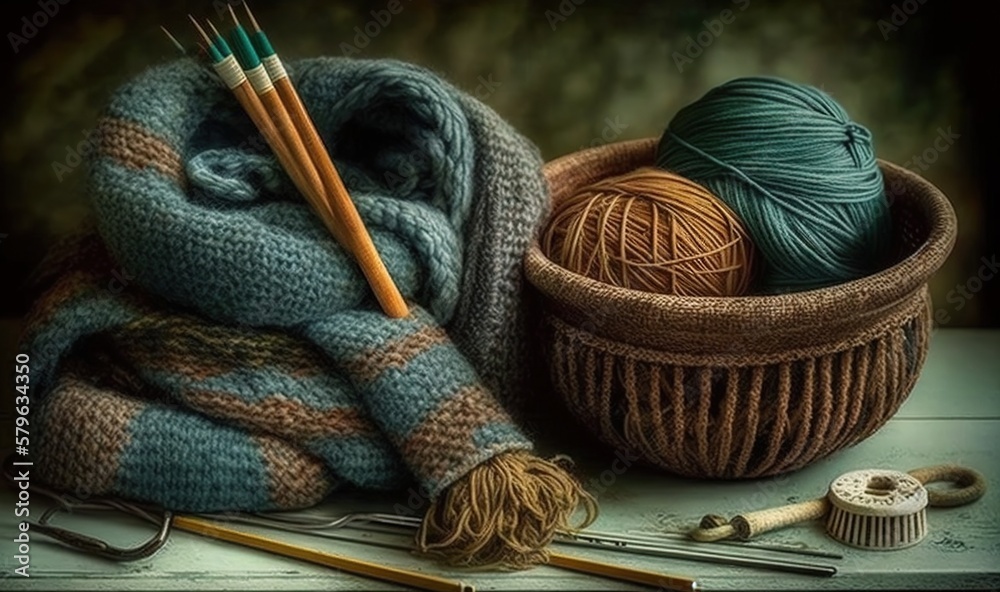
<point>212,50</point>
<point>260,41</point>
<point>220,42</point>
<point>245,51</point>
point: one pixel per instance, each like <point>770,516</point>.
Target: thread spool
<point>654,231</point>
<point>796,169</point>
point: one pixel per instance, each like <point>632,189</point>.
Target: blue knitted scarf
<point>214,349</point>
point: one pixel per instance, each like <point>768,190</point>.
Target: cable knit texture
<point>211,347</point>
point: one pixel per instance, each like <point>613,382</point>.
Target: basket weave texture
<point>742,387</point>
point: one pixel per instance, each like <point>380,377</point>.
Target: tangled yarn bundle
<point>796,169</point>
<point>654,231</point>
<point>246,366</point>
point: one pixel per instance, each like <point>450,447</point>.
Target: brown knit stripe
<point>86,432</point>
<point>368,365</point>
<point>280,416</point>
<point>444,440</point>
<point>186,347</point>
<point>70,287</point>
<point>296,479</point>
<point>136,147</point>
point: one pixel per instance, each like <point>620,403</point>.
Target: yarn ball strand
<point>653,231</point>
<point>796,169</point>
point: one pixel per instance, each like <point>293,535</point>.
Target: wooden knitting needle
<point>256,79</point>
<point>627,574</point>
<point>361,243</point>
<point>259,81</point>
<point>350,565</point>
<point>232,75</point>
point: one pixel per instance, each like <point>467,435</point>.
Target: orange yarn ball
<point>654,231</point>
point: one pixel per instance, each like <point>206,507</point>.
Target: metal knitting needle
<point>666,540</point>
<point>618,545</point>
<point>790,549</point>
<point>623,544</point>
<point>173,40</point>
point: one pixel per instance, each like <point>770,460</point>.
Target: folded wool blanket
<point>211,347</point>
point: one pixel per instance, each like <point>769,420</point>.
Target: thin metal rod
<point>777,548</point>
<point>812,569</point>
<point>313,529</point>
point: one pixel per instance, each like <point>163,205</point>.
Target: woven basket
<point>740,387</point>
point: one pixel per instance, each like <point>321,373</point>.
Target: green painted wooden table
<point>953,416</point>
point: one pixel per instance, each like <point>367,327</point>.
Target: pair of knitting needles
<point>254,73</point>
<point>396,524</point>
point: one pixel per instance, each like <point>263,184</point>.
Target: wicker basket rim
<point>865,294</point>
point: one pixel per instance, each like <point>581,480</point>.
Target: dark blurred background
<point>567,75</point>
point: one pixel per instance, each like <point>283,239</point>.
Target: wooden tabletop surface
<point>952,416</point>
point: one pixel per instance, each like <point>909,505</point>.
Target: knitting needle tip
<point>173,40</point>
<point>201,31</point>
<point>253,21</point>
<point>214,30</point>
<point>232,13</point>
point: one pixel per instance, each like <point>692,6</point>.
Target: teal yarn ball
<point>796,169</point>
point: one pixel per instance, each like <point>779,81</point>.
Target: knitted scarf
<point>212,348</point>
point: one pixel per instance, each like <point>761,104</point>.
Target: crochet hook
<point>360,242</point>
<point>355,566</point>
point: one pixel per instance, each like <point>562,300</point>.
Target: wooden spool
<point>877,509</point>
